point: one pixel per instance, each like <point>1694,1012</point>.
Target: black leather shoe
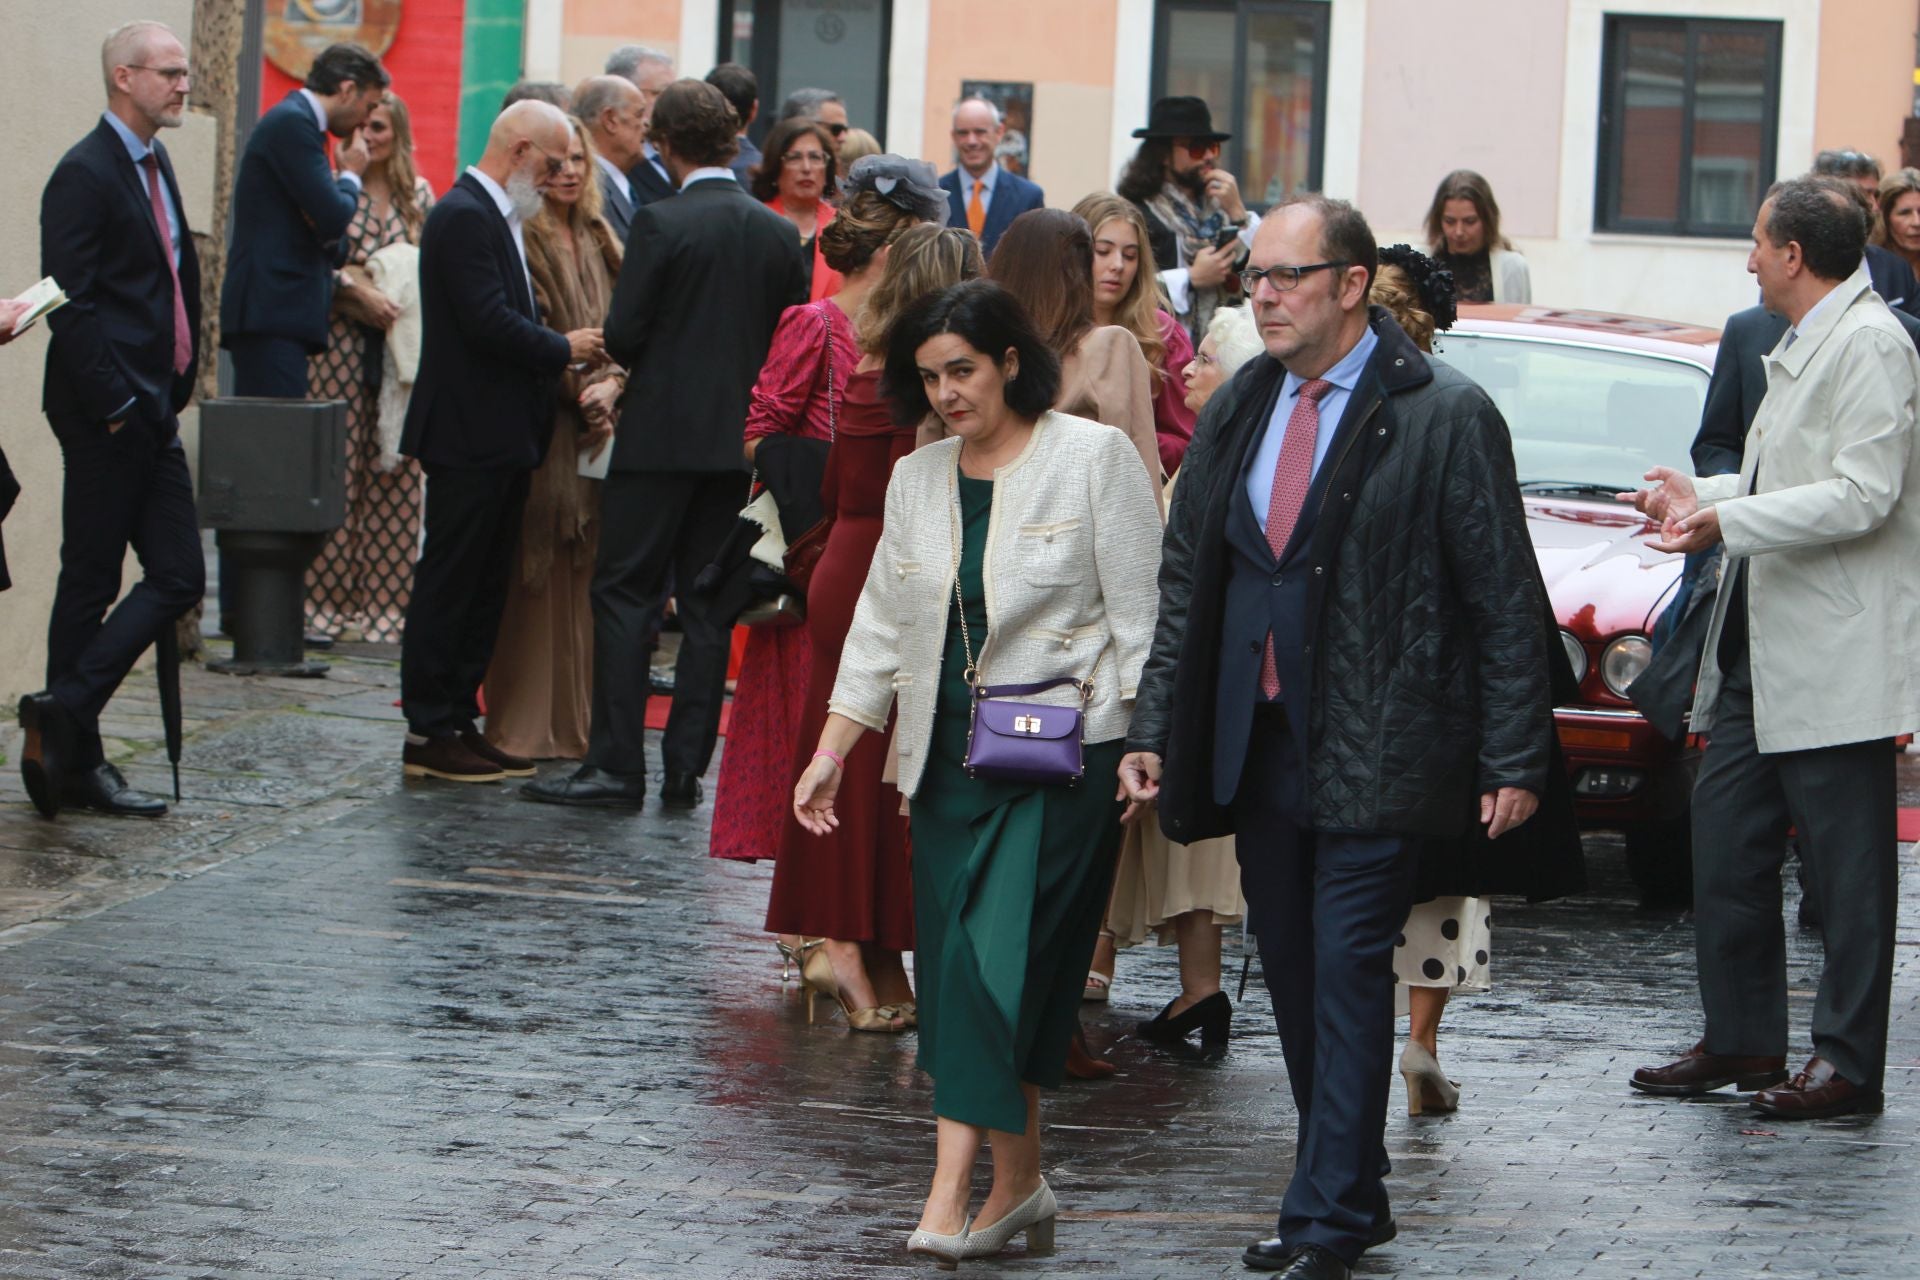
<point>1213,1017</point>
<point>681,791</point>
<point>1305,1262</point>
<point>48,753</point>
<point>1274,1253</point>
<point>103,790</point>
<point>589,787</point>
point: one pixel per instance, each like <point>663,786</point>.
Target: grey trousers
<point>1842,802</point>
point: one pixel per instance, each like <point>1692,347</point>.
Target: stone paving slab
<point>365,1050</point>
<point>383,1030</point>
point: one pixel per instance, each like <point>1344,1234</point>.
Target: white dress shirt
<point>320,118</point>
<point>986,184</point>
<point>711,171</point>
<point>505,204</point>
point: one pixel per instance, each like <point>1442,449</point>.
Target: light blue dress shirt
<point>140,151</point>
<point>1344,376</point>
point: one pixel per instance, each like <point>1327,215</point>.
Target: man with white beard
<point>479,422</point>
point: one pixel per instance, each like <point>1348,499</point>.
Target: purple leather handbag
<point>1028,742</point>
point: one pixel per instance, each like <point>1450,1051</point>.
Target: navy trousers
<point>127,488</point>
<point>1326,909</point>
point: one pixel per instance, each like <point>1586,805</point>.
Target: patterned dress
<point>358,586</point>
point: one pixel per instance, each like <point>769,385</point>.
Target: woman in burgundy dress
<point>849,894</point>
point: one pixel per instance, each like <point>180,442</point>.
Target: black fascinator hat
<point>1433,282</point>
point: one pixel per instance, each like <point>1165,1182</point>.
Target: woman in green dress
<point>1021,549</point>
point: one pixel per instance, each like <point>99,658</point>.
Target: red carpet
<point>657,709</point>
<point>1910,824</point>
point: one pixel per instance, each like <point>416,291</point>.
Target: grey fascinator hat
<point>909,185</point>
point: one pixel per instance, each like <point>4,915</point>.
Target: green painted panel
<point>490,64</point>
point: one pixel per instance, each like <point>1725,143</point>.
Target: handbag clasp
<point>1026,724</point>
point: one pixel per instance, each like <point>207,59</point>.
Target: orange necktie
<point>976,213</point>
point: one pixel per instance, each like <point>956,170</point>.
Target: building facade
<point>1627,140</point>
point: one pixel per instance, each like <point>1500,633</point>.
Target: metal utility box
<point>273,483</point>
<point>273,466</point>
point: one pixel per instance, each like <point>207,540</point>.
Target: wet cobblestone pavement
<point>432,1031</point>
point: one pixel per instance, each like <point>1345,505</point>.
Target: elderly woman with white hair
<point>1183,894</point>
<point>1232,340</point>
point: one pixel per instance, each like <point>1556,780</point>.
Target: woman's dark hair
<point>1465,184</point>
<point>339,64</point>
<point>990,320</point>
<point>1045,259</point>
<point>766,179</point>
<point>695,121</point>
<point>1146,173</point>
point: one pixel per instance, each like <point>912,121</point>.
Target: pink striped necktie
<point>182,337</point>
<point>1292,476</point>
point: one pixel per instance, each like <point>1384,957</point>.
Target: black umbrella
<point>166,666</point>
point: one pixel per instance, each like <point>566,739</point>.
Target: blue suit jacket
<point>1012,196</point>
<point>113,341</point>
<point>289,216</point>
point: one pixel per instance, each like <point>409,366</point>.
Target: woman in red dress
<point>852,889</point>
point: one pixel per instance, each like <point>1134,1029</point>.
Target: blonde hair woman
<point>359,585</point>
<point>1125,295</point>
<point>539,686</point>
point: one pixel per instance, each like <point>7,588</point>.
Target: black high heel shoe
<point>1213,1016</point>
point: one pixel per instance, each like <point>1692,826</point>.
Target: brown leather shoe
<point>446,758</point>
<point>1081,1064</point>
<point>1701,1072</point>
<point>1816,1091</point>
<point>511,765</point>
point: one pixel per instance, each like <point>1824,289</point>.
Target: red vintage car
<point>1593,400</point>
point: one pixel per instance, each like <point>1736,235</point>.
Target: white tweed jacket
<point>1071,576</point>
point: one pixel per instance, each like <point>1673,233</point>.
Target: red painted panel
<point>425,65</point>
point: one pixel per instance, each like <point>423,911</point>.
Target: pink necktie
<point>1291,477</point>
<point>182,338</point>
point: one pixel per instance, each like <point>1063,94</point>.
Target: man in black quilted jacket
<point>1349,654</point>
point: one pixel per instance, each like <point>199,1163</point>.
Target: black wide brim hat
<point>1181,118</point>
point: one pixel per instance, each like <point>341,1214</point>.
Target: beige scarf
<point>572,288</point>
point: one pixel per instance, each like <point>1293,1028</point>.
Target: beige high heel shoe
<point>791,956</point>
<point>1035,1216</point>
<point>816,974</point>
<point>1428,1088</point>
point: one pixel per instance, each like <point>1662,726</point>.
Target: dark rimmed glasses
<point>1284,279</point>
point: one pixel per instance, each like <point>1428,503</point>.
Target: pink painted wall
<point>1048,42</point>
<point>1445,93</point>
<point>1866,78</point>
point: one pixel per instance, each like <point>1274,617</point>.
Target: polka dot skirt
<point>1446,943</point>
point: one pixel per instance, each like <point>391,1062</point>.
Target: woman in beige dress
<point>1184,895</point>
<point>539,687</point>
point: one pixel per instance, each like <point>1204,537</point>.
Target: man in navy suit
<point>120,366</point>
<point>651,71</point>
<point>615,114</point>
<point>290,213</point>
<point>479,421</point>
<point>982,196</point>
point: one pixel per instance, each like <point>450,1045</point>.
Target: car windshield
<point>1584,418</point>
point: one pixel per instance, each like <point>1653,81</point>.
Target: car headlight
<point>1576,654</point>
<point>1622,661</point>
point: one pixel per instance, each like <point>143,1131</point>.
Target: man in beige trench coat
<point>1806,675</point>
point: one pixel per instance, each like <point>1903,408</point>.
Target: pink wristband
<point>838,760</point>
